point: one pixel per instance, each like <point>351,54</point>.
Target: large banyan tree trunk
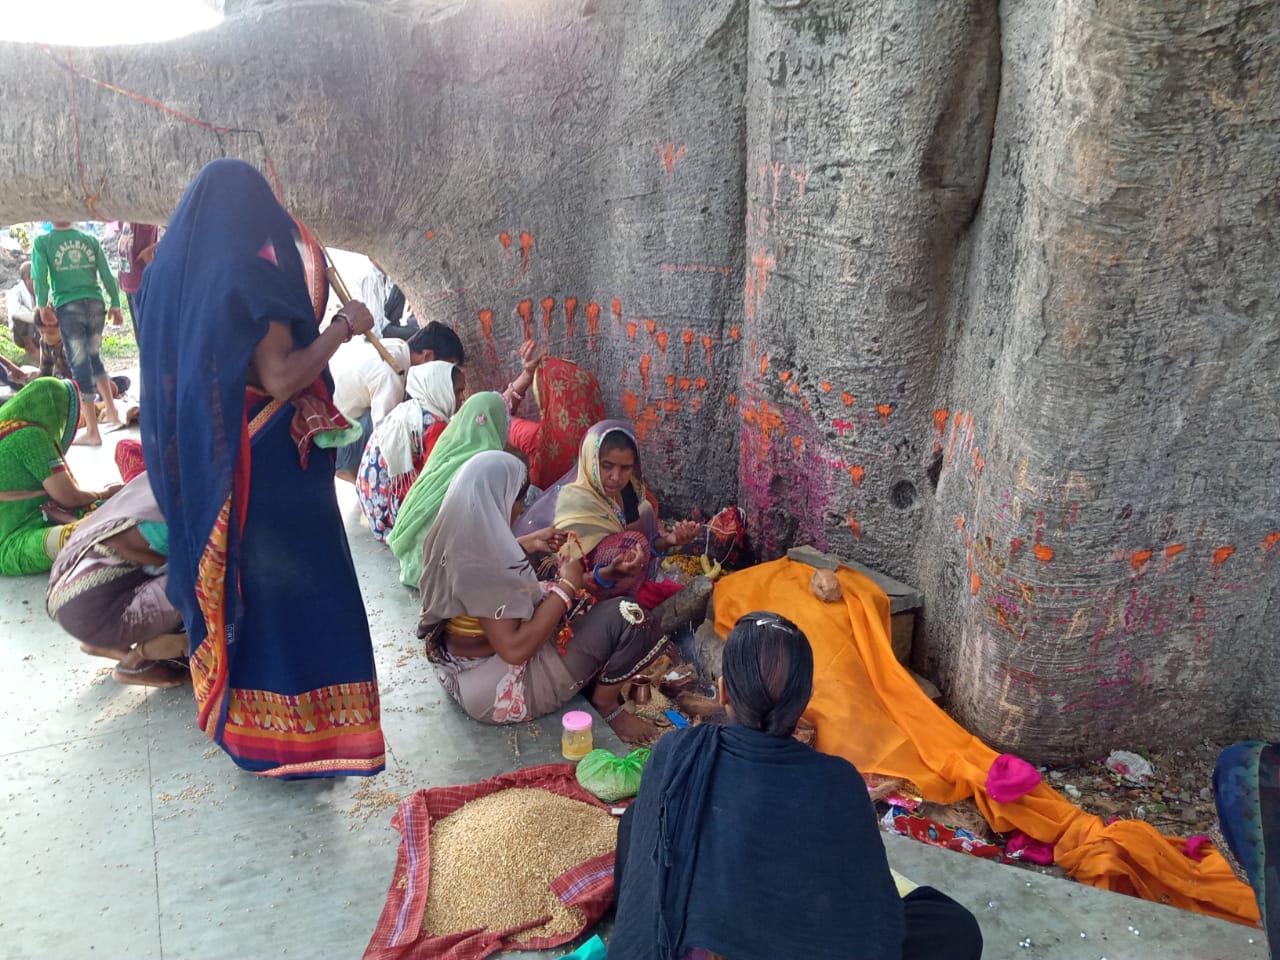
<point>984,297</point>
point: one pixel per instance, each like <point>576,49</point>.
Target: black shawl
<point>757,848</point>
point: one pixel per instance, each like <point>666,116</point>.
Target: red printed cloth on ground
<point>940,835</point>
<point>399,934</point>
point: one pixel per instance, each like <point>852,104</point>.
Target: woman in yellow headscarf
<point>609,513</point>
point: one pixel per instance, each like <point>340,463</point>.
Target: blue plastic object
<point>677,721</point>
<point>593,949</point>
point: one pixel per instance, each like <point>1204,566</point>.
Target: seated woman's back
<point>747,843</point>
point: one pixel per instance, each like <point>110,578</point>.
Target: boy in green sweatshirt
<point>67,265</point>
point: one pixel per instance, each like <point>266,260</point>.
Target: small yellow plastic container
<point>576,741</point>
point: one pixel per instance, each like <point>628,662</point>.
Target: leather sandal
<point>151,673</point>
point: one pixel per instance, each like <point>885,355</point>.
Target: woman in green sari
<point>480,424</point>
<point>36,427</point>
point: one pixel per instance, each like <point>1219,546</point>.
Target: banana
<point>711,570</point>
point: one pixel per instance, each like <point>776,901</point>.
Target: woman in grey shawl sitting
<point>107,589</point>
<point>506,647</point>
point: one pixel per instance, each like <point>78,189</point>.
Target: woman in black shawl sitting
<point>747,845</point>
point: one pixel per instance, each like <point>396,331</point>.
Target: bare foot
<point>102,652</point>
<point>165,646</point>
<point>88,439</point>
<point>634,730</point>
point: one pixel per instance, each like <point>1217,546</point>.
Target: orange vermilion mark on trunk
<point>651,326</point>
<point>548,306</point>
<point>735,333</point>
<point>1139,558</point>
<point>429,235</point>
<point>733,401</point>
<point>525,309</point>
<point>804,402</point>
<point>795,386</point>
<point>684,383</point>
<point>784,376</point>
<point>1043,554</point>
<point>1174,549</point>
<point>701,383</point>
<point>857,472</point>
<point>631,329</point>
<point>848,399</point>
<point>526,248</point>
<point>960,523</point>
<point>1221,554</point>
<point>593,319</point>
<point>854,526</point>
<point>670,154</point>
<point>671,383</point>
<point>825,386</point>
<point>630,404</point>
<point>504,238</point>
<point>617,309</point>
<point>570,308</point>
<point>797,444</point>
<point>486,326</point>
<point>766,422</point>
<point>706,346</point>
<point>646,363</point>
<point>647,421</point>
<point>1270,540</point>
<point>975,583</point>
<point>884,409</point>
<point>764,364</point>
<point>940,418</point>
<point>662,341</point>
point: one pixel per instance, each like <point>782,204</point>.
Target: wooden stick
<point>340,288</point>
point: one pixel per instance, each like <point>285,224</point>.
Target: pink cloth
<point>1193,848</point>
<point>1011,778</point>
<point>1022,847</point>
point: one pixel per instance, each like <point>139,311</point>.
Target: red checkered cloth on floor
<point>399,934</point>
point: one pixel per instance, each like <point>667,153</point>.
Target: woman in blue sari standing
<point>234,370</point>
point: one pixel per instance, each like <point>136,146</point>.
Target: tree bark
<point>981,296</point>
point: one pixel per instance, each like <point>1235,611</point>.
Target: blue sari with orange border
<point>259,565</point>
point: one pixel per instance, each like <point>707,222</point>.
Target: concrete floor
<point>125,834</point>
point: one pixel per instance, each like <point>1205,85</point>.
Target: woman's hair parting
<point>768,673</point>
<point>617,440</point>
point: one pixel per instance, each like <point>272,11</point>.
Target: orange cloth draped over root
<point>869,710</point>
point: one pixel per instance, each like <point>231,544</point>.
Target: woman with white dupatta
<point>401,443</point>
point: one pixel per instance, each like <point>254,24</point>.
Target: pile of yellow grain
<point>493,859</point>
